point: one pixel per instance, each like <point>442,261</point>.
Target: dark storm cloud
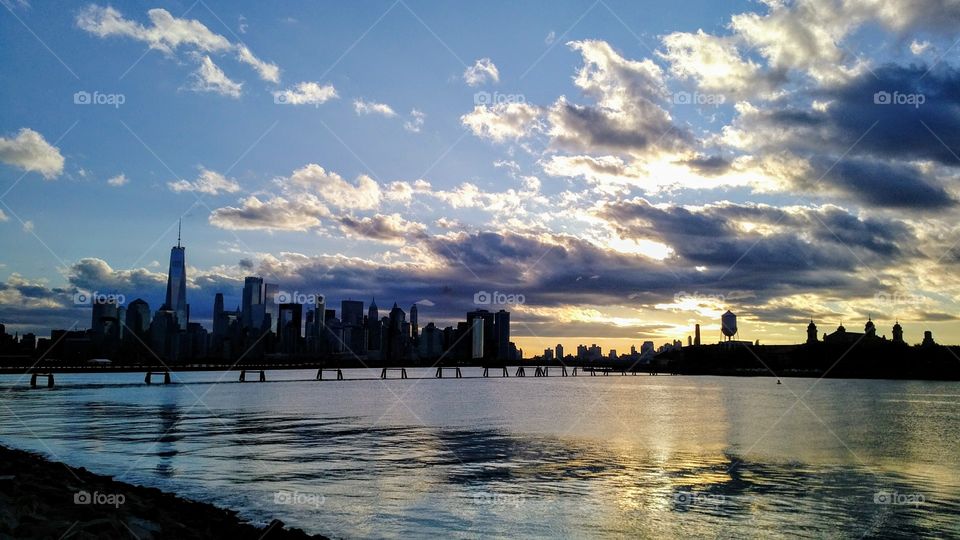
<point>886,185</point>
<point>809,249</point>
<point>709,166</point>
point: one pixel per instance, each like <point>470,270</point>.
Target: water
<point>611,456</point>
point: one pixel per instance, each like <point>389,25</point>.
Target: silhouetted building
<point>696,334</point>
<point>414,322</point>
<point>897,333</point>
<point>176,300</point>
<point>501,327</point>
<point>928,339</point>
<point>559,350</point>
<point>289,323</point>
<point>252,303</point>
<point>811,332</point>
<point>374,328</point>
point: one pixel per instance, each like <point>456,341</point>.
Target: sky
<point>610,172</point>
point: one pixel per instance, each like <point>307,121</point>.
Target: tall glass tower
<point>177,284</point>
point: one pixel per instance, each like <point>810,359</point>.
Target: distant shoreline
<point>40,498</point>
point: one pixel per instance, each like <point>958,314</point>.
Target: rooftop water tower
<point>728,324</point>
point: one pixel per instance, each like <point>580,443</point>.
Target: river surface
<point>605,456</point>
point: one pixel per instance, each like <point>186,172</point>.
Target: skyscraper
<point>271,305</point>
<point>373,327</point>
<point>413,322</point>
<point>501,325</point>
<point>252,305</point>
<point>219,318</point>
<point>177,285</point>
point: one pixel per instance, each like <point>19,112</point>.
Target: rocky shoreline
<point>45,499</point>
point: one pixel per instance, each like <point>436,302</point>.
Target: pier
<point>257,372</point>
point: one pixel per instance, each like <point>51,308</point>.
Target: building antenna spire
<point>179,224</point>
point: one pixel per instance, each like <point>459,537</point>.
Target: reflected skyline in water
<point>553,457</point>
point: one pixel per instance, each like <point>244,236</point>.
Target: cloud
<point>210,78</point>
<point>415,123</point>
<point>274,214</point>
<point>118,180</point>
<point>628,116</point>
<point>482,71</point>
<point>208,182</point>
<point>716,64</point>
<point>386,228</point>
<point>31,152</point>
<point>267,71</point>
<point>364,194</point>
<point>306,93</point>
<point>502,121</point>
<point>371,107</point>
<point>168,34</point>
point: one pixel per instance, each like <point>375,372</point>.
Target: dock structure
<point>166,376</point>
<point>263,374</point>
<point>440,369</point>
<point>321,370</point>
<point>505,373</point>
<point>325,371</point>
<point>386,370</point>
<point>48,375</point>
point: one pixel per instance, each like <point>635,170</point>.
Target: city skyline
<point>627,176</point>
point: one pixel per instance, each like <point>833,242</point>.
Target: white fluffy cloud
<point>210,78</point>
<point>332,188</point>
<point>168,34</point>
<point>415,123</point>
<point>715,63</point>
<point>31,152</point>
<point>502,121</point>
<point>371,107</point>
<point>118,180</point>
<point>306,93</point>
<point>483,70</point>
<point>208,182</point>
<point>274,214</point>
